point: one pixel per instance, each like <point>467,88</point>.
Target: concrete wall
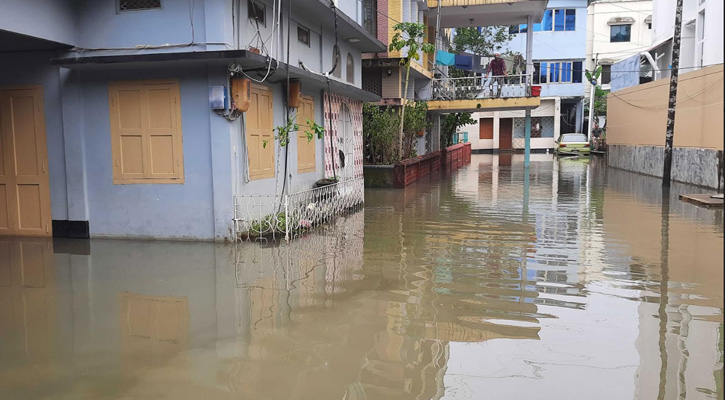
<point>702,167</point>
<point>53,20</point>
<point>638,115</point>
<point>101,25</point>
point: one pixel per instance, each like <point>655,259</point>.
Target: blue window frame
<point>554,73</point>
<point>570,24</point>
<point>546,21</point>
<point>559,20</point>
<point>540,73</point>
<point>566,72</point>
<point>522,28</point>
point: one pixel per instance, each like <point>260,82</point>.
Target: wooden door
<point>505,133</point>
<point>24,186</point>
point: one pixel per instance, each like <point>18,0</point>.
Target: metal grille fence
<point>275,216</point>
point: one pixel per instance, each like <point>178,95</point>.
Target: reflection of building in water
<point>27,318</point>
<point>679,339</point>
<point>153,328</point>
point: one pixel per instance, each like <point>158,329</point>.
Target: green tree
<point>600,96</point>
<point>408,35</point>
<point>489,40</point>
<point>380,130</point>
<point>450,123</point>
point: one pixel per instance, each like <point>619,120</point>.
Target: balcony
<point>465,13</point>
<point>482,94</point>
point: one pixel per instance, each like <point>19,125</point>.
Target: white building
<point>702,34</point>
<point>616,29</point>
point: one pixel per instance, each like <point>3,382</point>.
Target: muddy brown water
<point>574,283</point>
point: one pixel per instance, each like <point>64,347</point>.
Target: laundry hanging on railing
<point>464,62</point>
<point>445,58</point>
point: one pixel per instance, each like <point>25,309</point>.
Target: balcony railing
<point>478,87</point>
<point>287,216</point>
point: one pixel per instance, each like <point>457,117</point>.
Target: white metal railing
<point>479,87</point>
<point>277,216</point>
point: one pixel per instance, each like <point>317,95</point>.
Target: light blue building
<point>559,53</point>
<point>106,106</point>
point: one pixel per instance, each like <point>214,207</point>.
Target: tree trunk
<point>402,112</point>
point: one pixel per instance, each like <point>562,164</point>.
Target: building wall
<point>550,109</point>
<point>101,25</point>
<point>599,32</point>
<point>151,210</point>
<point>53,20</point>
<point>636,133</point>
<point>638,114</point>
<point>559,46</point>
<point>663,16</point>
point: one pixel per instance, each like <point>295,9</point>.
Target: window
<point>700,39</point>
<point>336,61</point>
<point>485,128</point>
<point>303,35</point>
<point>577,72</point>
<point>135,5</point>
<point>259,133</point>
<point>540,75</point>
<point>546,22</point>
<point>606,74</point>
<point>305,148</point>
<point>146,145</point>
<point>620,33</point>
<point>557,72</point>
<point>557,20</point>
<point>350,69</point>
<point>553,72</point>
<point>257,11</point>
<point>570,23</point>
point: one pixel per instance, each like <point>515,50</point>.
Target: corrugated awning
<point>648,20</point>
<point>620,21</point>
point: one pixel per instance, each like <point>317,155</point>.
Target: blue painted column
<point>527,139</point>
<point>529,81</point>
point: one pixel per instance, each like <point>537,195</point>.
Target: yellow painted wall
<point>638,115</point>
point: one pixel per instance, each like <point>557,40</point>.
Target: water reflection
<point>576,281</point>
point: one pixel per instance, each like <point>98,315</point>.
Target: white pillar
<point>557,118</point>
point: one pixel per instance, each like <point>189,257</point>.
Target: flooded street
<point>573,283</point>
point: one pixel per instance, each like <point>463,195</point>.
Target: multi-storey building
<point>429,80</point>
<point>616,29</point>
<point>119,120</point>
<point>559,51</point>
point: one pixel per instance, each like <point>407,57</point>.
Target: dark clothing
<point>498,66</point>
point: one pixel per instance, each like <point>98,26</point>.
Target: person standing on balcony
<point>498,67</point>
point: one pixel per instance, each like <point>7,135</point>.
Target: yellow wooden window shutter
<point>259,129</point>
<point>146,132</point>
<point>305,147</point>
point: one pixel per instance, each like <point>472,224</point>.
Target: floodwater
<point>574,283</point>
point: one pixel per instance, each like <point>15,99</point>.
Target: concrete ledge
<point>705,200</point>
<point>701,167</point>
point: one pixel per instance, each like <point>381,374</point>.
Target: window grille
<point>133,5</point>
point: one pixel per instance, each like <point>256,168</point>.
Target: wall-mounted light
<point>353,40</point>
<point>389,72</point>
